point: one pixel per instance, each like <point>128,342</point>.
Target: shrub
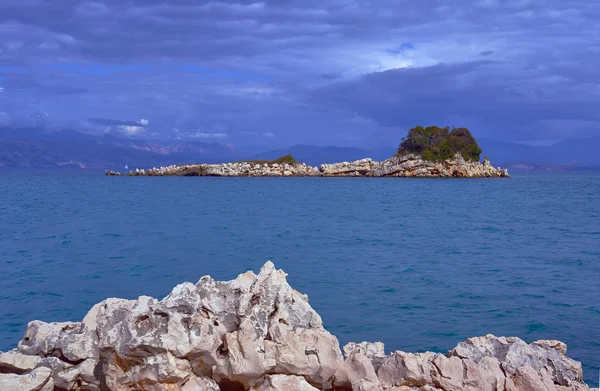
<point>438,144</point>
<point>287,159</point>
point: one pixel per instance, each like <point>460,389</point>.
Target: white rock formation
<point>397,166</point>
<point>257,333</point>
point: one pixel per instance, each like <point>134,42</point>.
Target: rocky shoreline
<point>257,333</point>
<point>398,166</point>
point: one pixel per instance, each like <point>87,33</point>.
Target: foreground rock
<point>397,166</point>
<point>257,333</point>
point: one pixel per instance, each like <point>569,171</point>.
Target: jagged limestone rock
<point>71,341</point>
<point>257,333</point>
<point>486,363</point>
<point>39,379</point>
<point>16,362</point>
<point>195,383</point>
<point>396,166</point>
<point>359,370</point>
<point>284,382</point>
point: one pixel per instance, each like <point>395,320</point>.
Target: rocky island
<point>257,333</point>
<point>425,153</point>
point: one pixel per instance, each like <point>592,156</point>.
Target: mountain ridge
<point>33,149</point>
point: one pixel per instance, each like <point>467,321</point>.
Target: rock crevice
<point>257,333</point>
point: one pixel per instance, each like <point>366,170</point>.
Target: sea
<point>419,264</point>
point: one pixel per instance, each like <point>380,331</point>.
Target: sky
<point>324,72</point>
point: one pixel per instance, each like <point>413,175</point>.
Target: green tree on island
<point>438,144</point>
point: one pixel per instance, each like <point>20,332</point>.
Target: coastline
<point>257,333</point>
<point>405,166</point>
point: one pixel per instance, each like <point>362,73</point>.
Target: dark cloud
<point>116,122</point>
<point>332,71</point>
<point>137,128</point>
<point>16,78</point>
<point>403,48</point>
<point>331,76</point>
<point>11,63</point>
<point>497,98</point>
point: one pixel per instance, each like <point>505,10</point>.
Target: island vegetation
<point>429,152</point>
<point>287,159</point>
<point>437,144</point>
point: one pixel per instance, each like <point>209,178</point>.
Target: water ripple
<point>417,264</point>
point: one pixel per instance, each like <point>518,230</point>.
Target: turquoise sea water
<point>417,264</point>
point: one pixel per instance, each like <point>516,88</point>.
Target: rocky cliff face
<point>397,166</point>
<point>257,333</point>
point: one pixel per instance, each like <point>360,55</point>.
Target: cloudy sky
<point>329,72</point>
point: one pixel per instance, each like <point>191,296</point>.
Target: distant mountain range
<point>34,147</point>
<point>571,152</point>
<point>70,148</point>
